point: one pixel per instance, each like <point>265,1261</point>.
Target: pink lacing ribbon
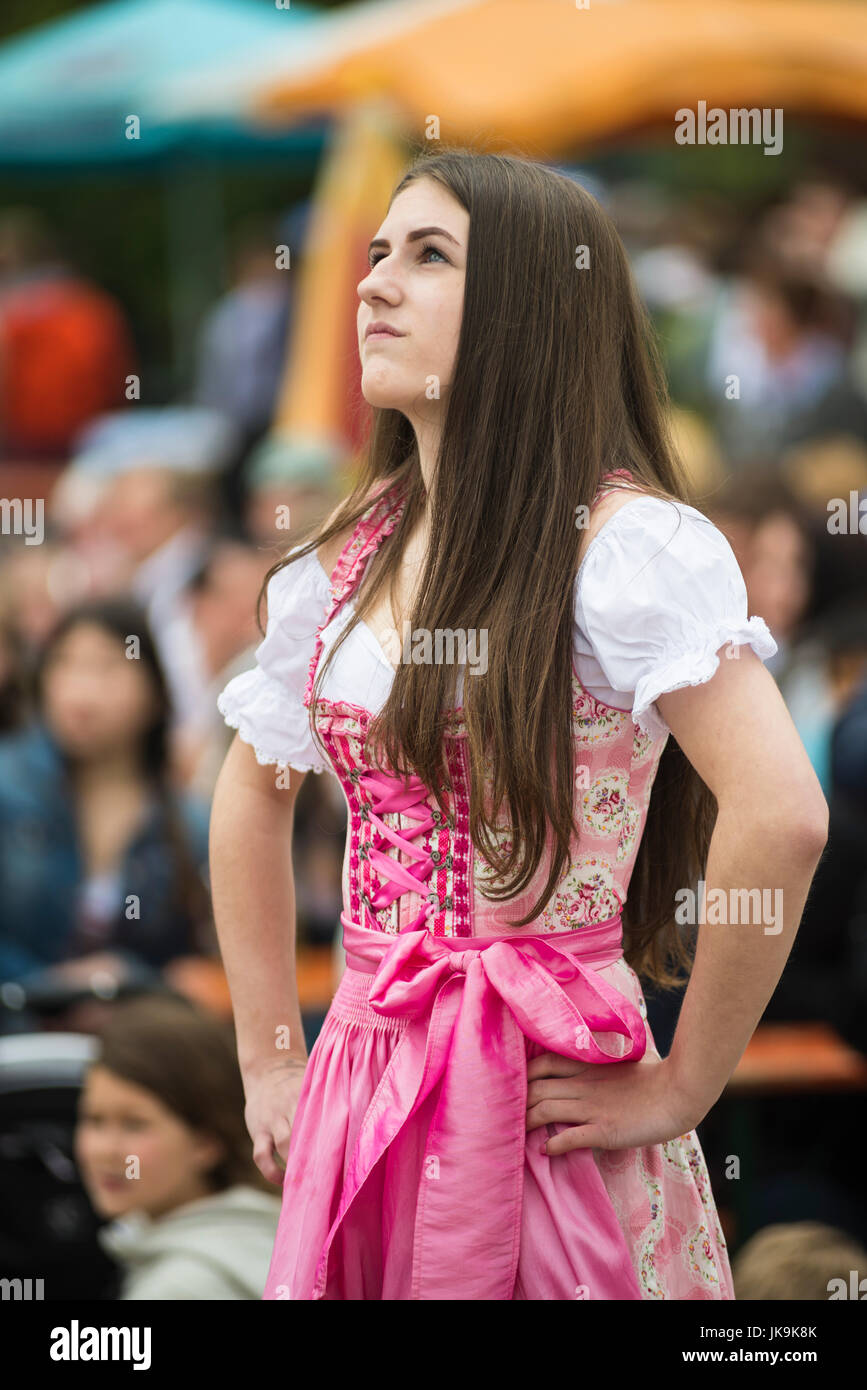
<point>391,792</point>
<point>364,539</point>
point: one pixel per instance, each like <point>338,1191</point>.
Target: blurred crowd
<point>159,525</point>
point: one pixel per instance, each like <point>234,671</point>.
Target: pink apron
<point>410,1173</point>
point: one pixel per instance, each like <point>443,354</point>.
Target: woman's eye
<point>374,259</point>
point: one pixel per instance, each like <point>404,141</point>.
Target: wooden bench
<point>203,980</point>
<point>785,1057</point>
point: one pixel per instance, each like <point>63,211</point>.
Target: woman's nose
<point>378,284</point>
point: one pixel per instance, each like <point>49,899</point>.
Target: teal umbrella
<point>92,87</point>
<point>96,91</point>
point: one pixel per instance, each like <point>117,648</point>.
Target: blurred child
<point>164,1153</point>
<point>796,1261</point>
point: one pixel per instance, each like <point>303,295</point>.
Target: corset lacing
<point>391,792</point>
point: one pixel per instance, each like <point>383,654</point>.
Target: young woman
<point>162,1150</point>
<point>102,863</point>
<point>484,1114</point>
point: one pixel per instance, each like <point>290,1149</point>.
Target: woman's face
<point>133,1153</point>
<point>95,699</point>
<point>777,573</point>
<point>416,286</point>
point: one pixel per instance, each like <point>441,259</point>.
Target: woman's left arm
<point>771,828</point>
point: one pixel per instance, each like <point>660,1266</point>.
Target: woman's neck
<point>427,439</point>
<point>120,767</point>
<point>111,806</point>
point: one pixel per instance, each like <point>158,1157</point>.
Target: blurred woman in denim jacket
<point>101,863</point>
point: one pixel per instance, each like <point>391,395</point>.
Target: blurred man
<point>243,340</point>
<point>222,598</point>
<point>161,517</point>
<point>65,347</point>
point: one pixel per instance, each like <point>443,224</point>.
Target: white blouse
<point>658,593</point>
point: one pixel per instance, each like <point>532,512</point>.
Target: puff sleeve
<point>659,592</point>
<point>266,703</point>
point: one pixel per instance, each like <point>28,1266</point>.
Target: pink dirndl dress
<point>410,1173</point>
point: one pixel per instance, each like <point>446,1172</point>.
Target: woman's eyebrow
<point>416,236</point>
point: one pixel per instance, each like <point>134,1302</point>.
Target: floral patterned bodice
<point>406,864</point>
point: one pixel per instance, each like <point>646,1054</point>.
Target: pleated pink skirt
<point>660,1195</point>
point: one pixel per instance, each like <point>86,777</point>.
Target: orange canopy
<point>540,77</point>
<point>546,75</point>
<point>320,398</point>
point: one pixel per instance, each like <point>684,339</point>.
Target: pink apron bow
<point>469,1004</point>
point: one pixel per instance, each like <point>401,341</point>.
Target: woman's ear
<point>208,1151</point>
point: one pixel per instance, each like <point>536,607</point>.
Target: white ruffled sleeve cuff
<point>266,703</point>
<point>695,668</point>
<point>658,595</point>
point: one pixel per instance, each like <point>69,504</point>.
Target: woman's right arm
<point>253,895</point>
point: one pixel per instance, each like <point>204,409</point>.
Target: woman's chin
<point>380,389</point>
<point>111,1202</point>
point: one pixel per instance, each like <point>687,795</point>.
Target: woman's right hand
<point>272,1097</point>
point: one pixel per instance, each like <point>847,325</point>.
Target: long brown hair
<point>557,381</point>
